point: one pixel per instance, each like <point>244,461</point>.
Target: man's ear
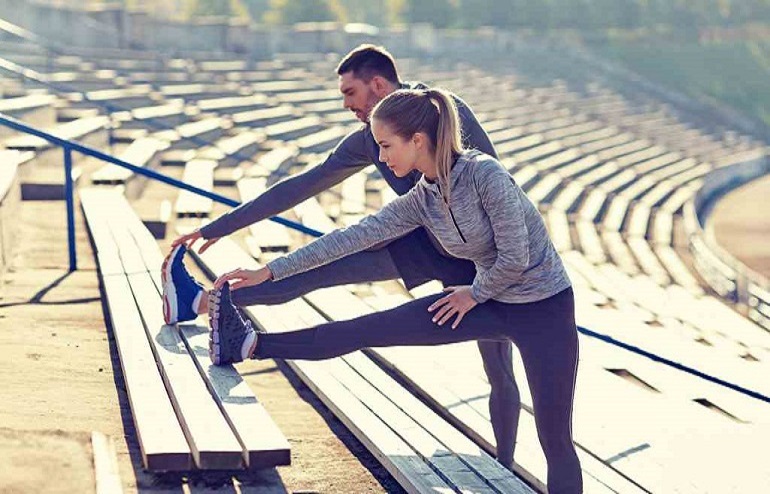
<point>381,86</point>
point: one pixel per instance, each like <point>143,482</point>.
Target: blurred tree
<point>292,11</point>
<point>440,13</point>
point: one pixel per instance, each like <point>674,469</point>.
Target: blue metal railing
<point>70,146</point>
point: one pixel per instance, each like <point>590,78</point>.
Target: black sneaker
<point>228,328</point>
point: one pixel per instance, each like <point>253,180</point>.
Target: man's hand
<point>458,302</point>
<point>244,277</point>
<point>190,239</point>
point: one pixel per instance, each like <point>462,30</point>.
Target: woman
<point>473,207</point>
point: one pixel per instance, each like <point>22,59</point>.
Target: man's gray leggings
<point>418,261</point>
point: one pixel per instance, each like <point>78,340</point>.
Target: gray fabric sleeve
<point>474,135</point>
<point>502,201</point>
<point>348,157</point>
<point>396,219</point>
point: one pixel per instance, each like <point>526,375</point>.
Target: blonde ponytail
<point>448,144</point>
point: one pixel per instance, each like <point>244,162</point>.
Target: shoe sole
<point>170,307</point>
<point>214,299</point>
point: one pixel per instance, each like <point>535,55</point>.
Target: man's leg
<point>418,260</point>
<point>504,398</point>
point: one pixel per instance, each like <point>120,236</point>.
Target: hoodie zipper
<point>456,225</point>
<point>451,214</point>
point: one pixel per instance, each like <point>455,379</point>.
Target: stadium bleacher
<point>612,177</point>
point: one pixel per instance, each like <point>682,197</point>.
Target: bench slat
<point>213,444</point>
<point>264,444</point>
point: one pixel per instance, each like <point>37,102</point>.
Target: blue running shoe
<point>229,330</point>
<point>180,289</point>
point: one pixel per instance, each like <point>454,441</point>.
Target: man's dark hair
<point>367,61</point>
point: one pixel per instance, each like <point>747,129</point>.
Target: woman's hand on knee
<point>244,277</point>
<point>458,303</point>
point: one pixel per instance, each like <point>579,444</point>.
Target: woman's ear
<point>419,139</point>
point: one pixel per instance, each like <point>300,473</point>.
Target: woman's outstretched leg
<point>407,324</point>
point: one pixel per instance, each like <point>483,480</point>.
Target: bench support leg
<point>68,191</point>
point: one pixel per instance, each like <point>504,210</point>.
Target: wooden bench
<point>274,160</point>
<point>10,195</point>
<point>231,105</point>
<point>188,413</point>
<point>590,137</point>
<point>420,450</point>
<point>600,145</point>
<point>759,305</point>
<point>283,86</point>
<point>265,116</point>
<point>44,179</point>
<point>267,237</point>
<point>168,115</point>
<point>195,92</point>
<point>143,152</point>
<point>36,109</point>
<point>243,144</point>
<point>199,173</point>
<point>294,129</point>
<point>190,135</point>
<point>136,96</point>
<point>321,141</point>
<point>313,96</point>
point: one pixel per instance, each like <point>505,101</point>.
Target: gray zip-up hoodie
<point>490,222</point>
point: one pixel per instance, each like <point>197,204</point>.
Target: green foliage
<point>735,73</point>
<point>293,11</point>
<point>583,15</point>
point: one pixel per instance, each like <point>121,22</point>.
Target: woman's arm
<point>399,217</point>
<point>503,202</point>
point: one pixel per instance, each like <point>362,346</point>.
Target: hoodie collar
<point>457,171</point>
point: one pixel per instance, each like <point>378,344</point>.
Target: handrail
<point>70,146</point>
<point>109,107</point>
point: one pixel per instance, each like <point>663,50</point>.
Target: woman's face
<point>400,154</point>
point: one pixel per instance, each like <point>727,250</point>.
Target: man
<point>366,75</point>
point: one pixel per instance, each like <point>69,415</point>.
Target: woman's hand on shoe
<point>458,302</point>
<point>244,277</point>
<point>190,239</point>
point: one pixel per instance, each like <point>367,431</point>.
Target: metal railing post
<point>69,194</point>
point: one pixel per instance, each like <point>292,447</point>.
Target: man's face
<point>358,96</point>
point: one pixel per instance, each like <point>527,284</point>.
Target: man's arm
<point>347,158</point>
<point>474,136</point>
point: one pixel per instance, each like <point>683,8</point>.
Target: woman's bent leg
<point>407,324</point>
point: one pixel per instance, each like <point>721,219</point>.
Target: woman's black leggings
<point>544,332</point>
